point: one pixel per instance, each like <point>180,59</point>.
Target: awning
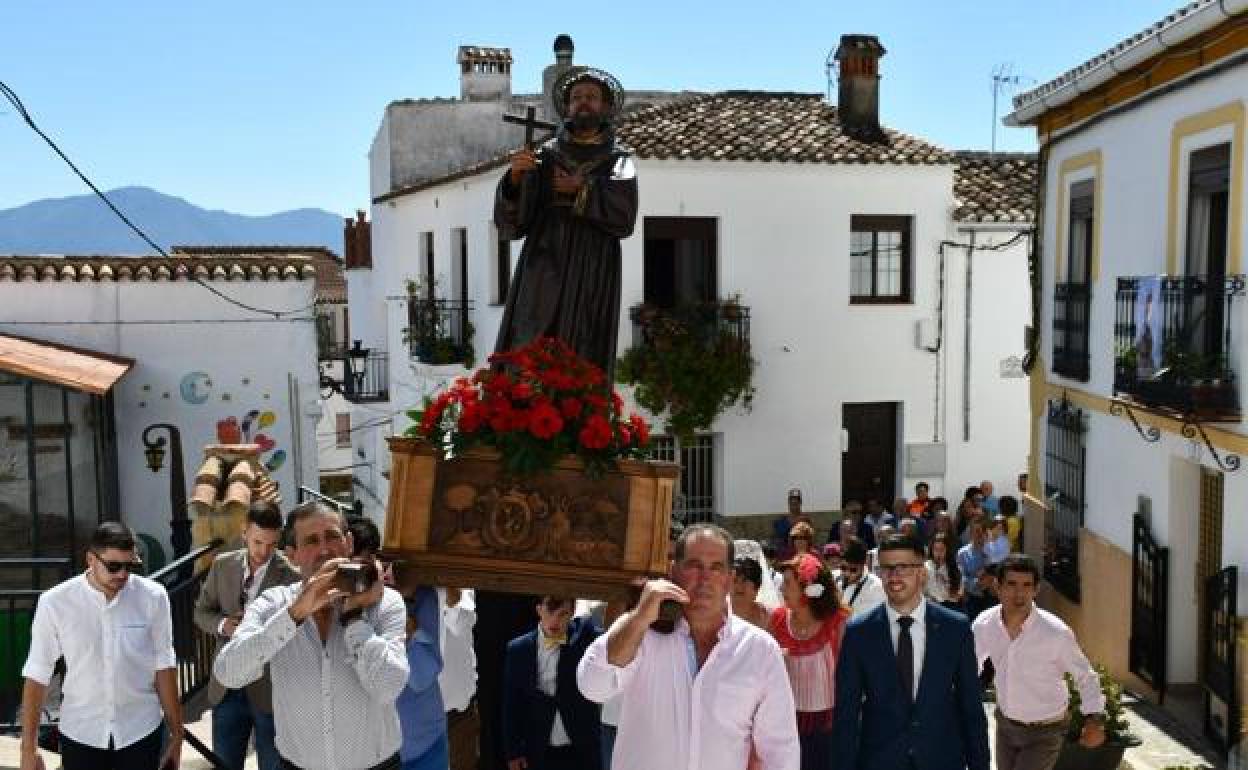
<point>74,368</point>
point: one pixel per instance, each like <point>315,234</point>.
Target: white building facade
<point>218,372</point>
<point>1137,386</point>
<point>856,395</point>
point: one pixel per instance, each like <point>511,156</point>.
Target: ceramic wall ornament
<point>195,387</point>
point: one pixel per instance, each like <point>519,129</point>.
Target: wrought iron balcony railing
<point>368,379</point>
<point>725,323</point>
<point>1172,343</point>
<point>1070,329</point>
<point>439,331</point>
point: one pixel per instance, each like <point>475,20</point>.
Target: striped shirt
<point>333,701</point>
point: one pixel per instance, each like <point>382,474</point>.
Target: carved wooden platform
<point>463,522</point>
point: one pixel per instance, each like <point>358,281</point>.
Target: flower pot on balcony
<point>465,522</point>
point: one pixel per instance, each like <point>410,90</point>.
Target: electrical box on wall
<point>925,333</point>
<point>925,460</point>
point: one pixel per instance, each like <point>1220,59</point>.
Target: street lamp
<point>154,451</point>
<point>354,363</point>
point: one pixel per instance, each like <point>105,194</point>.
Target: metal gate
<point>1221,623</point>
<point>1150,575</point>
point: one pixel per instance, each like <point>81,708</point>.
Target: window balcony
<point>1070,329</point>
<point>724,324</point>
<point>367,377</point>
<point>440,331</point>
<point>1173,344</point>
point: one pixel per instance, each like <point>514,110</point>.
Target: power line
<point>13,99</point>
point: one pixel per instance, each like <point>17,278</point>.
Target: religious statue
<point>572,199</point>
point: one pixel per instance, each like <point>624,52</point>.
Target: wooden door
<point>869,463</point>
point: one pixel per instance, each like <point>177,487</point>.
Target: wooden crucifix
<point>530,123</point>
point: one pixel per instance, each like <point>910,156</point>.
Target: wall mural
<point>196,387</point>
<point>232,430</point>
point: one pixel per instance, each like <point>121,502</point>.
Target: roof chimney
<point>858,103</point>
<point>484,73</point>
<point>563,59</point>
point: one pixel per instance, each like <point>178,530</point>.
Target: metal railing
<point>371,382</point>
<point>723,323</point>
<point>694,500</point>
<point>193,647</point>
<point>439,331</point>
<point>304,494</point>
<point>17,611</point>
<point>1172,342</point>
<point>1071,302</point>
<point>1064,487</point>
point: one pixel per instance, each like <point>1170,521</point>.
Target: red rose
<point>626,435</point>
<point>641,429</point>
<point>545,422</point>
<point>596,401</point>
<point>521,391</point>
<point>616,402</point>
<point>519,419</point>
<point>597,432</point>
<point>472,418</point>
<point>500,417</point>
<point>571,407</point>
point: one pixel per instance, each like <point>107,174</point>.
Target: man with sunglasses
<point>861,590</point>
<point>919,708</point>
<point>114,630</point>
<point>235,579</point>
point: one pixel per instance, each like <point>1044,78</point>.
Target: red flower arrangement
<point>535,405</point>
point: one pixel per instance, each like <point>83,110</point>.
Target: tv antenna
<point>829,70</point>
<point>1003,78</point>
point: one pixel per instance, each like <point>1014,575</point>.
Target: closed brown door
<point>869,466</point>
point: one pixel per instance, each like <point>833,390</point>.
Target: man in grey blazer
<point>236,578</point>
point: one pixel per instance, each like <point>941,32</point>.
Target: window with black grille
<point>695,499</point>
<point>1072,293</point>
<point>1064,475</point>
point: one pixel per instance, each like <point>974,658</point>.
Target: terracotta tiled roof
<point>767,126</point>
<point>1028,97</point>
<point>763,126</point>
<point>995,187</point>
<point>220,265</point>
<point>331,283</point>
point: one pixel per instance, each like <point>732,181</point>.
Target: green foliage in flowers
<point>1117,729</point>
<point>693,365</point>
<point>534,405</point>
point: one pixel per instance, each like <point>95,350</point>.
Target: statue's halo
<point>573,75</point>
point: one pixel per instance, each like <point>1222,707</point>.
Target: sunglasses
<point>114,567</point>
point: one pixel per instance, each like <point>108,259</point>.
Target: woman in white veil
<point>768,595</point>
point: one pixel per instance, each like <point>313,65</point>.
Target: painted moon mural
<point>196,387</point>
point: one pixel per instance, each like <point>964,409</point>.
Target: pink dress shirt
<point>1029,669</point>
<point>677,718</point>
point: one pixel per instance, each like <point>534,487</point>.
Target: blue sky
<point>258,107</point>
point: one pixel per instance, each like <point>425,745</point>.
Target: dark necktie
<point>246,592</point>
<point>905,658</point>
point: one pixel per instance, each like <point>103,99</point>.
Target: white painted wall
<point>172,330</point>
<point>1135,148</point>
<point>783,244</point>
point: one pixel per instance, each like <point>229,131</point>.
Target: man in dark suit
<point>237,577</point>
<point>907,694</point>
<point>547,723</point>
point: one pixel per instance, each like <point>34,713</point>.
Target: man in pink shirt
<point>705,695</point>
<point>1031,650</point>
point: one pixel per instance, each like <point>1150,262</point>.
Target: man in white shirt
<point>115,632</point>
<point>1031,650</point>
<point>861,590</point>
<point>705,695</point>
<point>337,657</point>
<point>233,581</point>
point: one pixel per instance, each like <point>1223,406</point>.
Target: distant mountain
<point>83,225</point>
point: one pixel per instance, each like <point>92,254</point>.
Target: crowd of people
<point>868,651</point>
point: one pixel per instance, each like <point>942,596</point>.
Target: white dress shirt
<point>458,680</point>
<point>865,598</point>
<point>112,651</point>
<point>676,718</point>
<point>918,637</point>
<point>1029,668</point>
<point>333,701</point>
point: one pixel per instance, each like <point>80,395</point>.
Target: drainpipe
<point>966,357</point>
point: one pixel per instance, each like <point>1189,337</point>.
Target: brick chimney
<point>564,49</point>
<point>484,73</point>
<point>357,240</point>
<point>858,102</point>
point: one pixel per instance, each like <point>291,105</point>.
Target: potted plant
<point>689,368</point>
<point>1118,736</point>
<point>1126,371</point>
